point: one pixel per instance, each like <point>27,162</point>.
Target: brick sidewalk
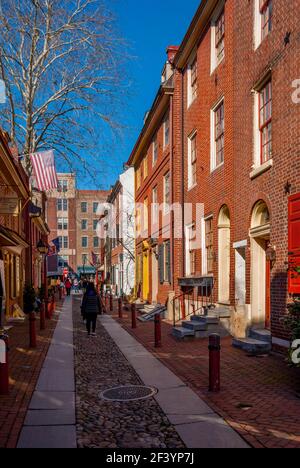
<point>260,396</point>
<point>24,367</point>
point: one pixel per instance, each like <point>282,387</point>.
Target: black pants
<point>68,292</point>
<point>91,319</point>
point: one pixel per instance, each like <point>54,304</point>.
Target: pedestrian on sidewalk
<point>91,308</point>
<point>68,286</point>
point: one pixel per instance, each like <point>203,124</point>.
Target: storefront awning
<point>12,241</point>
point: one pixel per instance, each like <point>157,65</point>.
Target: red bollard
<point>111,304</point>
<point>133,317</point>
<point>32,330</point>
<point>120,302</point>
<point>60,293</point>
<point>42,317</point>
<point>4,375</point>
<point>157,331</point>
<point>214,363</point>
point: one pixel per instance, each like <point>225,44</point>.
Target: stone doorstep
<point>252,346</point>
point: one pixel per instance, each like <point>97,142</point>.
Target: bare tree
<point>63,66</point>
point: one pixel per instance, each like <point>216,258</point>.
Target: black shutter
<point>168,260</point>
<point>161,263</point>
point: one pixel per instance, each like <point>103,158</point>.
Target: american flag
<point>44,170</point>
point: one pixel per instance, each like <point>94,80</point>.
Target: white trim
<point>257,25</point>
<point>213,60</point>
<point>261,169</point>
<point>191,184</point>
<point>166,118</point>
<point>256,131</point>
<point>240,245</point>
<point>282,343</point>
<point>213,154</point>
<point>192,58</point>
<point>188,229</point>
<point>204,260</point>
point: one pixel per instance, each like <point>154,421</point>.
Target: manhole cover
<point>128,393</point>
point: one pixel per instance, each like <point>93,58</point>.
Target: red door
<point>294,243</point>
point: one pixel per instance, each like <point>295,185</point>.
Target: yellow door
<point>145,275</point>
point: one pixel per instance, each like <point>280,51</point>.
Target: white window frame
<point>87,223</point>
<point>94,203</point>
<point>188,229</point>
<point>166,119</point>
<point>258,38</point>
<point>191,183</point>
<point>214,63</point>
<point>213,149</point>
<point>167,205</point>
<point>190,98</point>
<point>87,244</point>
<point>155,146</point>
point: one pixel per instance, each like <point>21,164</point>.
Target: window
<point>266,11</point>
<point>84,207</point>
<point>95,207</point>
<point>192,81</point>
<point>155,150</point>
<point>95,224</point>
<point>145,167</point>
<point>84,224</point>
<point>96,242</point>
<point>84,242</point>
<point>167,130</point>
<point>62,204</point>
<point>190,251</point>
<point>209,245</point>
<point>146,218</point>
<point>167,193</point>
<point>218,136</point>
<point>155,207</point>
<point>265,122</point>
<point>63,186</point>
<point>220,38</point>
<point>138,178</point>
<point>63,261</point>
<point>63,242</point>
<point>192,161</point>
<point>167,262</point>
<point>62,224</point>
<point>263,20</point>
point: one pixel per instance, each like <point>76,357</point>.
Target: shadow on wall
<point>279,301</point>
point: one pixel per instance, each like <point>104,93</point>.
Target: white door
<point>240,276</point>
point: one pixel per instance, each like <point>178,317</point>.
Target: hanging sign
<point>9,206</point>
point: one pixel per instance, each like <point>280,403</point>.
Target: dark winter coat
<point>91,304</point>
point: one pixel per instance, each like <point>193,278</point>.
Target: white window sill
<point>261,169</point>
<point>214,169</point>
<point>192,187</point>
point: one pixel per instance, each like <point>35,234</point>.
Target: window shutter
<point>168,261</point>
<point>294,243</point>
<point>161,263</point>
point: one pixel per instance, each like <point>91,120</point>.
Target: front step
<point>252,346</point>
<point>195,325</point>
<point>222,312</point>
<point>207,319</point>
<point>261,335</point>
<point>181,333</point>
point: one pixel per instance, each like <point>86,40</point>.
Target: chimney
<point>168,69</point>
<point>171,52</point>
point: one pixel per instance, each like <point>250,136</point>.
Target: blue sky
<point>149,27</point>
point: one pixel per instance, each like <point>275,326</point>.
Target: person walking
<point>68,286</point>
<point>76,286</point>
<point>91,308</point>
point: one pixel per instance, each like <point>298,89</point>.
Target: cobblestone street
<point>100,365</point>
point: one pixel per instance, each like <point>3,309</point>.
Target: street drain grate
<point>128,393</point>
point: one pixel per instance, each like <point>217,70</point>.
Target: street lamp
<point>42,247</point>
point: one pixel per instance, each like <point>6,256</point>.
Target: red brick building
<point>235,151</point>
